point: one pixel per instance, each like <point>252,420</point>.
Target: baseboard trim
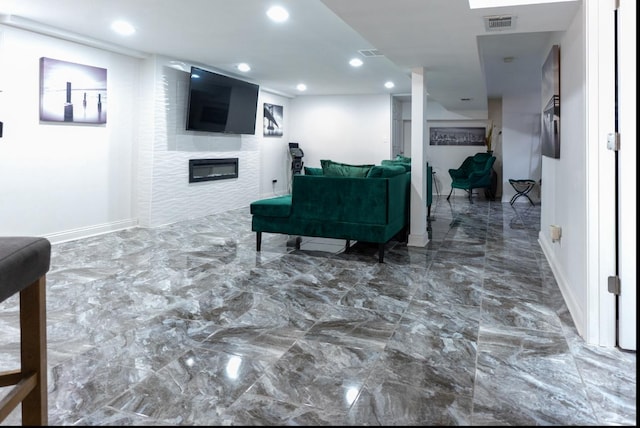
<point>418,240</point>
<point>576,312</point>
<point>85,232</point>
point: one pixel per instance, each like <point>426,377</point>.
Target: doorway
<point>626,175</point>
<point>406,138</point>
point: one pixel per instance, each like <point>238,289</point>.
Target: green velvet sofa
<point>368,203</point>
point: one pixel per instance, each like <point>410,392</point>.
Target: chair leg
<point>29,383</point>
<point>33,339</point>
<point>380,253</point>
<point>258,240</point>
<point>450,194</point>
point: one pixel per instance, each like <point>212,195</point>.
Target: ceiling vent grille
<point>370,52</point>
<point>499,22</point>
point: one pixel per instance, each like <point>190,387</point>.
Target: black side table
<point>490,192</point>
<point>522,188</point>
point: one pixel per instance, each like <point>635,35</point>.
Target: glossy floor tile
<point>188,325</point>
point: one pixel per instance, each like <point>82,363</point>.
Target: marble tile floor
<point>188,325</point>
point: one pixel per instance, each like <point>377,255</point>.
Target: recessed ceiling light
<point>178,65</point>
<point>278,14</point>
<point>243,66</point>
<point>355,62</point>
<point>389,85</point>
<point>301,87</point>
<point>123,28</point>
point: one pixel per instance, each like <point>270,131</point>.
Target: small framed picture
<point>273,120</point>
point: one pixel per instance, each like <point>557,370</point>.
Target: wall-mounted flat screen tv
<point>219,103</point>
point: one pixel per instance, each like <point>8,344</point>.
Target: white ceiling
<point>444,37</point>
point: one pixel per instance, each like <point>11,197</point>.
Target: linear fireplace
<point>212,169</point>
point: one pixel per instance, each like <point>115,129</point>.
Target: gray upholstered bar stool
<point>24,262</point>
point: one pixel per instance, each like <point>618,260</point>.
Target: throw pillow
<point>337,169</point>
<point>384,171</point>
<point>407,166</point>
<point>308,170</point>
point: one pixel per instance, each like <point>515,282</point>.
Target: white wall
<point>563,180</point>
<point>353,129</point>
<point>494,106</point>
<point>275,162</point>
<point>64,180</point>
<point>442,158</point>
<point>520,142</point>
<point>582,179</point>
<point>164,191</point>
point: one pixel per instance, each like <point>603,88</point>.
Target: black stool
<point>24,262</point>
<point>522,188</point>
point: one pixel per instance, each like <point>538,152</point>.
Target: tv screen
<point>220,103</point>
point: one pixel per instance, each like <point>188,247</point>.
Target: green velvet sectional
<point>368,203</point>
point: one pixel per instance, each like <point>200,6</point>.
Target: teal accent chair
<point>474,173</point>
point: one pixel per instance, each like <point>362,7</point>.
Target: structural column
<point>418,236</point>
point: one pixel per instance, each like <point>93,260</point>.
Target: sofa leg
<point>380,253</point>
<point>258,240</point>
<point>347,246</point>
<point>470,193</point>
<point>450,192</point>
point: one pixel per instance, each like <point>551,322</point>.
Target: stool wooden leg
<point>33,344</point>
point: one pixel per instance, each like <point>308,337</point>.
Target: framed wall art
<point>550,135</point>
<point>72,93</point>
<point>273,120</point>
<point>457,135</point>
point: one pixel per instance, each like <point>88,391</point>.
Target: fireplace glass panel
<point>212,169</point>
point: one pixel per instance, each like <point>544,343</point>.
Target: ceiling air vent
<point>499,22</point>
<point>370,52</point>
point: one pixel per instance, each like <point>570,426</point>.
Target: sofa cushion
<point>384,171</point>
<point>308,170</point>
<point>405,165</point>
<point>337,169</point>
<point>280,206</point>
<point>403,159</point>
